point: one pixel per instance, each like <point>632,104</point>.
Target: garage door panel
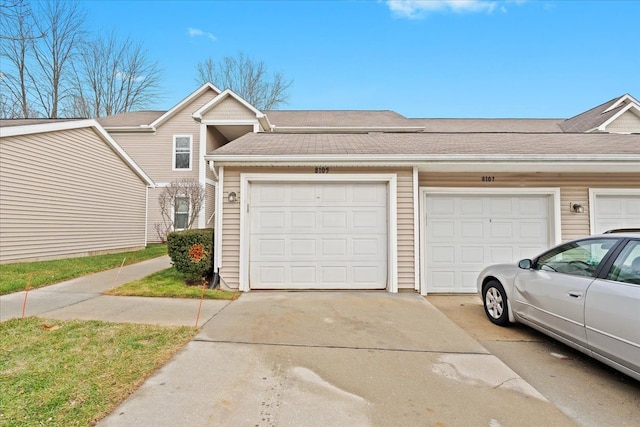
<point>302,193</point>
<point>442,206</point>
<point>441,230</point>
<point>500,254</point>
<point>336,239</point>
<point>471,230</point>
<point>502,206</point>
<point>499,230</point>
<point>481,230</point>
<point>439,254</point>
<point>471,254</point>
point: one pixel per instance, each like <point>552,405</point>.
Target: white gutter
<point>449,163</point>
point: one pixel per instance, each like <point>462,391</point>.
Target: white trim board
<point>391,179</point>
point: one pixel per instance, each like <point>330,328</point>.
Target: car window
<point>626,268</point>
<point>576,258</point>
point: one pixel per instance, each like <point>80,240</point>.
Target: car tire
<point>494,300</point>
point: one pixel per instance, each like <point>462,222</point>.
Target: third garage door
<point>465,233</point>
<point>318,236</point>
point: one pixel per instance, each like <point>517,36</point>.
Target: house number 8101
<point>322,170</point>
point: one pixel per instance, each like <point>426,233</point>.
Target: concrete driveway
<point>334,358</point>
<point>589,392</point>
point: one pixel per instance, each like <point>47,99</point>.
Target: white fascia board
<point>226,122</point>
<point>46,127</point>
<point>621,100</point>
<point>452,163</point>
<point>635,107</point>
<point>417,158</point>
<point>131,129</point>
<point>202,89</point>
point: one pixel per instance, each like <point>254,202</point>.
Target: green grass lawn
<point>14,277</point>
<point>167,283</point>
<point>72,373</point>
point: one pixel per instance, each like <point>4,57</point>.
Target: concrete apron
<point>334,358</point>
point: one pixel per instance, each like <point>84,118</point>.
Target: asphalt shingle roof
<point>131,119</point>
<point>273,144</point>
<point>489,125</point>
<point>337,118</point>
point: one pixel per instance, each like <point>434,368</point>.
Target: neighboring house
<point>67,189</point>
<point>375,200</point>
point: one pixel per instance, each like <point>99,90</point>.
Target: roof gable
<point>173,111</point>
<point>240,110</point>
<point>598,118</point>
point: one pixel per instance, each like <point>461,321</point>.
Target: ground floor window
<point>181,213</point>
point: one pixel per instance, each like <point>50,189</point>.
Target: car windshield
<point>576,258</point>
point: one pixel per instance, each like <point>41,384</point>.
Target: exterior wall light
<point>577,208</point>
<point>232,197</point>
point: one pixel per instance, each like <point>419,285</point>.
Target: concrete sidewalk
<point>82,298</point>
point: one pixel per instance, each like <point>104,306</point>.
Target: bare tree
<point>180,204</point>
<point>17,38</point>
<point>62,23</point>
<point>246,77</point>
<point>113,77</point>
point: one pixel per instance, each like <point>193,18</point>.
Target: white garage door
<point>465,233</point>
<point>616,211</point>
<point>318,236</point>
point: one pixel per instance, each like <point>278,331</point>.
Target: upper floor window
<point>182,145</point>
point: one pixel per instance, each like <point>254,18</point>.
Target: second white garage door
<point>318,236</point>
<point>611,211</point>
<point>465,233</point>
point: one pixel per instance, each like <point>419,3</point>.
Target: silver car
<point>585,293</point>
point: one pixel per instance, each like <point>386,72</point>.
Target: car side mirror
<point>525,264</point>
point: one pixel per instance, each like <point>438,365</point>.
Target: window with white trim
<point>182,145</point>
<point>181,213</point>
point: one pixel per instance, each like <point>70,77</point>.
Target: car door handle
<point>575,294</point>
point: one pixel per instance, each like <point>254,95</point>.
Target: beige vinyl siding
<point>154,217</point>
<point>230,270</point>
<point>229,109</point>
<point>628,122</point>
<point>153,152</point>
<point>67,193</point>
<point>209,206</point>
<point>574,188</point>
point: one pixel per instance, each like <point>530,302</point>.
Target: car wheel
<point>495,303</point>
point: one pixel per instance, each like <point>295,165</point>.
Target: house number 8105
<point>322,170</point>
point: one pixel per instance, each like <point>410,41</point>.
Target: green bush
<point>191,252</point>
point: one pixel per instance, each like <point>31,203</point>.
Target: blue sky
<point>419,58</point>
